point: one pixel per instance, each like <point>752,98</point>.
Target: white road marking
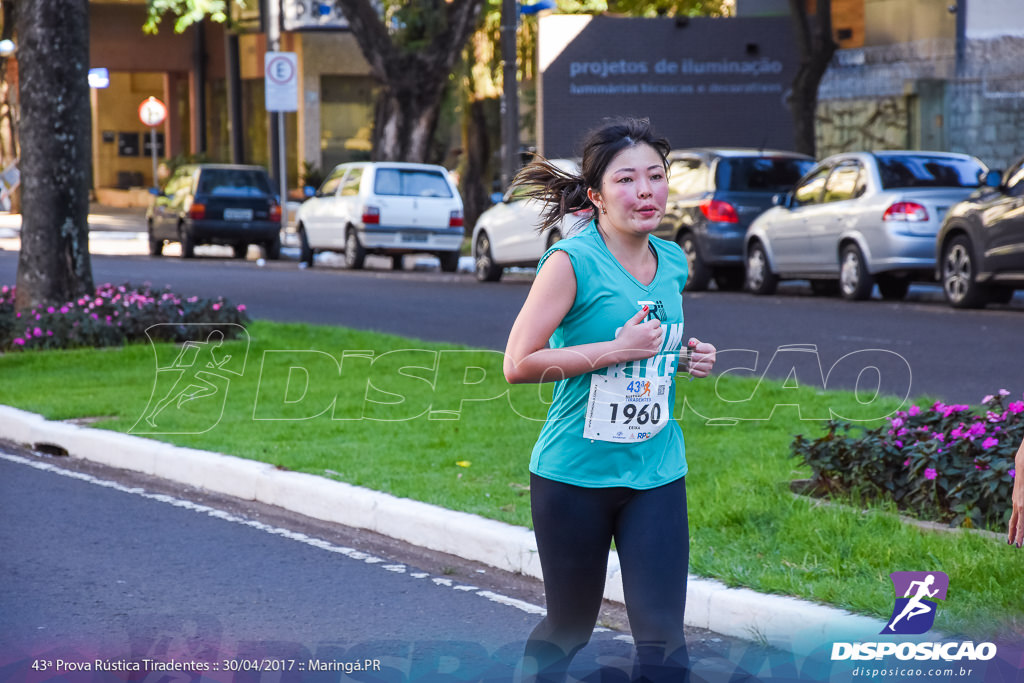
<point>350,553</point>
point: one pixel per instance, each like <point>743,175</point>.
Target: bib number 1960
<point>626,410</point>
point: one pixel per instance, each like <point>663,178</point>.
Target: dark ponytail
<point>565,192</point>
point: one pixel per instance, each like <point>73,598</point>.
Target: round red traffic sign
<point>152,111</point>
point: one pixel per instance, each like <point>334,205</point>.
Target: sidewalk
<point>789,624</point>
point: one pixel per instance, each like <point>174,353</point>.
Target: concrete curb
<point>793,625</point>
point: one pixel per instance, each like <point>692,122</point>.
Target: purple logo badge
<point>916,593</point>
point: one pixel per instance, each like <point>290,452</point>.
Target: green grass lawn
<point>438,423</point>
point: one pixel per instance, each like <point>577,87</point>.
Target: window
<point>346,118</point>
<point>760,174</point>
<point>810,190</point>
<point>844,183</point>
<point>330,185</point>
<point>906,170</point>
<point>350,188</point>
<point>687,177</point>
<point>233,182</point>
<point>1015,180</point>
<point>410,183</point>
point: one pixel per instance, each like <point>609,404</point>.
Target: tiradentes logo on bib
<point>915,607</point>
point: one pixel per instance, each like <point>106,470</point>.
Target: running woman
<point>604,320</point>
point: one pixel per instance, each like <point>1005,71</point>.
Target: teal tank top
<point>614,426</point>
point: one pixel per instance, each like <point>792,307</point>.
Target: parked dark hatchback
<point>980,246</point>
<point>714,194</point>
<point>226,204</point>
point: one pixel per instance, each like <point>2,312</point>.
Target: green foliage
<point>114,316</point>
<point>187,12</point>
<point>945,463</point>
<point>311,175</point>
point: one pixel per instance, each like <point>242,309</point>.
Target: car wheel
<point>188,243</point>
<point>700,274</point>
<point>397,261</point>
<point>730,279</point>
<point>241,250</point>
<point>486,269</point>
<point>825,287</point>
<point>305,251</point>
<point>272,249</point>
<point>355,255</point>
<point>959,271</point>
<point>893,288</point>
<point>855,282</point>
<point>449,261</point>
<point>156,247</point>
<point>759,276</point>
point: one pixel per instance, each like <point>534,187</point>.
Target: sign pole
<point>283,171</point>
<point>152,112</point>
<point>152,149</point>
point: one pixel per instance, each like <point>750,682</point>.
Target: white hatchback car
<point>507,235</point>
<point>392,208</point>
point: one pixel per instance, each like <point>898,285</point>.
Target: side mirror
<point>497,198</point>
<point>993,179</point>
<point>782,200</point>
<point>308,191</point>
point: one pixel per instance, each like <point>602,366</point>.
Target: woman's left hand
<point>702,357</point>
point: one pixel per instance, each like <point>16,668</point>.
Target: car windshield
<point>901,170</point>
<point>410,183</point>
<point>233,182</point>
<point>760,174</point>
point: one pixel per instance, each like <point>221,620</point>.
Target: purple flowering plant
<point>113,316</point>
<point>946,462</point>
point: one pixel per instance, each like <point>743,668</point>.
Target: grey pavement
<point>789,624</point>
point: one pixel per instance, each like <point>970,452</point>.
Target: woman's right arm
<point>527,356</point>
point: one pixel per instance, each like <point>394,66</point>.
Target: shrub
<point>113,316</point>
<point>946,463</point>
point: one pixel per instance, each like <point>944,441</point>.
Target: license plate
<point>413,237</point>
<point>238,214</point>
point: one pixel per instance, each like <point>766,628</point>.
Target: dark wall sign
<point>147,147</point>
<point>701,81</point>
<point>127,144</point>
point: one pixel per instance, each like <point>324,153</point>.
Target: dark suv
<point>714,194</point>
<point>227,204</point>
<point>980,246</point>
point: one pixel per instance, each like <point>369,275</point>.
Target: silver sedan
<point>858,219</point>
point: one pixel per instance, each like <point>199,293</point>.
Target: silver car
<point>858,219</point>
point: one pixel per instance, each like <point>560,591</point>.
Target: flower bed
<point>113,316</point>
<point>946,463</point>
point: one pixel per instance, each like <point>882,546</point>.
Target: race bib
<point>625,409</point>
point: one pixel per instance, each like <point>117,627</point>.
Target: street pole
<point>510,94</point>
<point>274,42</point>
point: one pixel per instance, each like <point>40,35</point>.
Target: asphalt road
<point>101,564</point>
<point>916,347</point>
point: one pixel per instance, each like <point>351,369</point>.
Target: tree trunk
<point>480,124</point>
<point>406,116</point>
<point>53,59</point>
<point>816,48</point>
<point>412,79</point>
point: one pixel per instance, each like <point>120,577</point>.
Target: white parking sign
<point>282,81</point>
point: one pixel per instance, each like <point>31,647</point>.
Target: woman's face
<point>634,189</point>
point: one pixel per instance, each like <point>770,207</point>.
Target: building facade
<point>191,73</point>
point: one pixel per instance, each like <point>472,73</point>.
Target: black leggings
<point>574,527</point>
